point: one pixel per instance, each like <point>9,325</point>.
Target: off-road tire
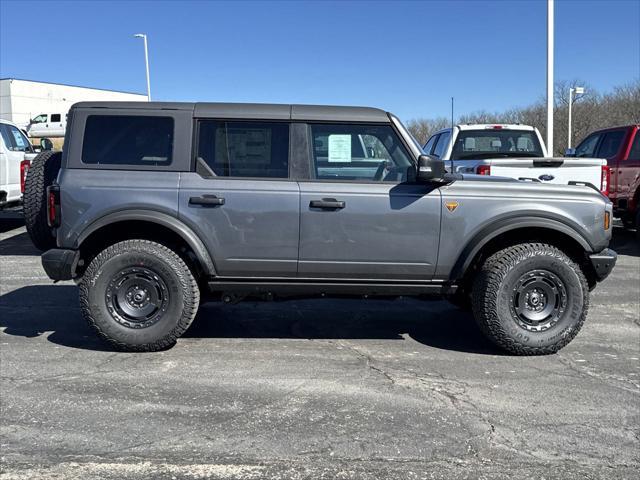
<point>42,173</point>
<point>494,289</point>
<point>182,295</point>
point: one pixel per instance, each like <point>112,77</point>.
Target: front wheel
<point>530,299</point>
<point>139,295</point>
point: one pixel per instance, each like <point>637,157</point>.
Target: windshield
<point>496,143</point>
<point>40,119</point>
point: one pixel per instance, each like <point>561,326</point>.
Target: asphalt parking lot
<point>313,389</point>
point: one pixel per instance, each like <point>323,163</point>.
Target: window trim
<point>197,121</point>
<point>311,157</point>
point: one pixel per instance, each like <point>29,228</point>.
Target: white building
<point>22,100</point>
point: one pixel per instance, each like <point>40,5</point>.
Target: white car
<point>47,125</point>
<point>512,150</point>
<point>16,154</point>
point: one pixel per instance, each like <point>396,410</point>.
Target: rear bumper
<point>60,264</point>
<point>603,262</point>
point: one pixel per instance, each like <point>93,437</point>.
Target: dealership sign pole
<point>146,62</point>
<point>577,91</point>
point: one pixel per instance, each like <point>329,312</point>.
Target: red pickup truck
<point>621,147</point>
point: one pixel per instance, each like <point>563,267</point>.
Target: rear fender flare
<point>163,219</point>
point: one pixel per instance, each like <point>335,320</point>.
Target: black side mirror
<point>46,144</point>
<point>429,169</point>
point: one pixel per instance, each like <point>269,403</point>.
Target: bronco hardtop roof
<point>253,110</point>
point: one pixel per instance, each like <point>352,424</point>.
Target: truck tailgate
<point>551,170</point>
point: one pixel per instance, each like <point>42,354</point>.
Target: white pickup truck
<point>512,150</point>
<point>16,154</point>
<point>47,125</point>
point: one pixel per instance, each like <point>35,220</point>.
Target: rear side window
<point>243,149</point>
<point>441,144</point>
<point>610,144</point>
<point>128,140</point>
<point>587,147</point>
<point>429,145</point>
<point>55,117</point>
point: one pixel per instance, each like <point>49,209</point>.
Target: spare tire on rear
<point>42,173</point>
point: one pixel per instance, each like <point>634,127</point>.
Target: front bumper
<point>60,263</point>
<point>603,262</point>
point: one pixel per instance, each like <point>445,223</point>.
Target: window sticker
<point>20,141</point>
<point>339,148</point>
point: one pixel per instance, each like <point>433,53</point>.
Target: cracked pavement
<point>313,389</point>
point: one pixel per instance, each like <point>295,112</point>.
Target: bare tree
<point>423,128</point>
<point>591,111</point>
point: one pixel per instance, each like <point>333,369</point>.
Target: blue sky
<point>407,57</point>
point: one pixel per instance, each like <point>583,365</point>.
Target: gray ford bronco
<point>153,208</point>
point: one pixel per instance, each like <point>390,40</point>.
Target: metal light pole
<point>577,90</point>
<point>146,62</point>
<point>550,77</point>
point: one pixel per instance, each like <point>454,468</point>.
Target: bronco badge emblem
<point>451,206</point>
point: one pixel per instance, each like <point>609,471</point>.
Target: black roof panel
<point>255,110</point>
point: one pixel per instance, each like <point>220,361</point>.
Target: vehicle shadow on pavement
<point>433,323</point>
<point>11,222</point>
<point>53,310</point>
<point>18,245</point>
<point>625,242</point>
<point>50,310</point>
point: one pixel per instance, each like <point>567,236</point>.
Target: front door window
<point>360,153</point>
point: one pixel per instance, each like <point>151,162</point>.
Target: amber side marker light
<point>607,220</point>
<point>451,206</point>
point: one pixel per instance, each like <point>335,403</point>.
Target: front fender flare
<point>489,232</point>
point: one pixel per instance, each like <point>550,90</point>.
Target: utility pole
<point>550,77</point>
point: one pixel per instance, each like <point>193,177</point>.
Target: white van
<point>16,154</point>
<point>47,125</point>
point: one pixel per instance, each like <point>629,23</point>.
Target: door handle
<point>327,203</point>
<point>206,200</point>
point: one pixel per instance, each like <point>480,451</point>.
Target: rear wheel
<point>42,173</point>
<point>139,295</point>
<point>530,299</point>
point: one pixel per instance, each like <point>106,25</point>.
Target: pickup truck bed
<point>546,170</point>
